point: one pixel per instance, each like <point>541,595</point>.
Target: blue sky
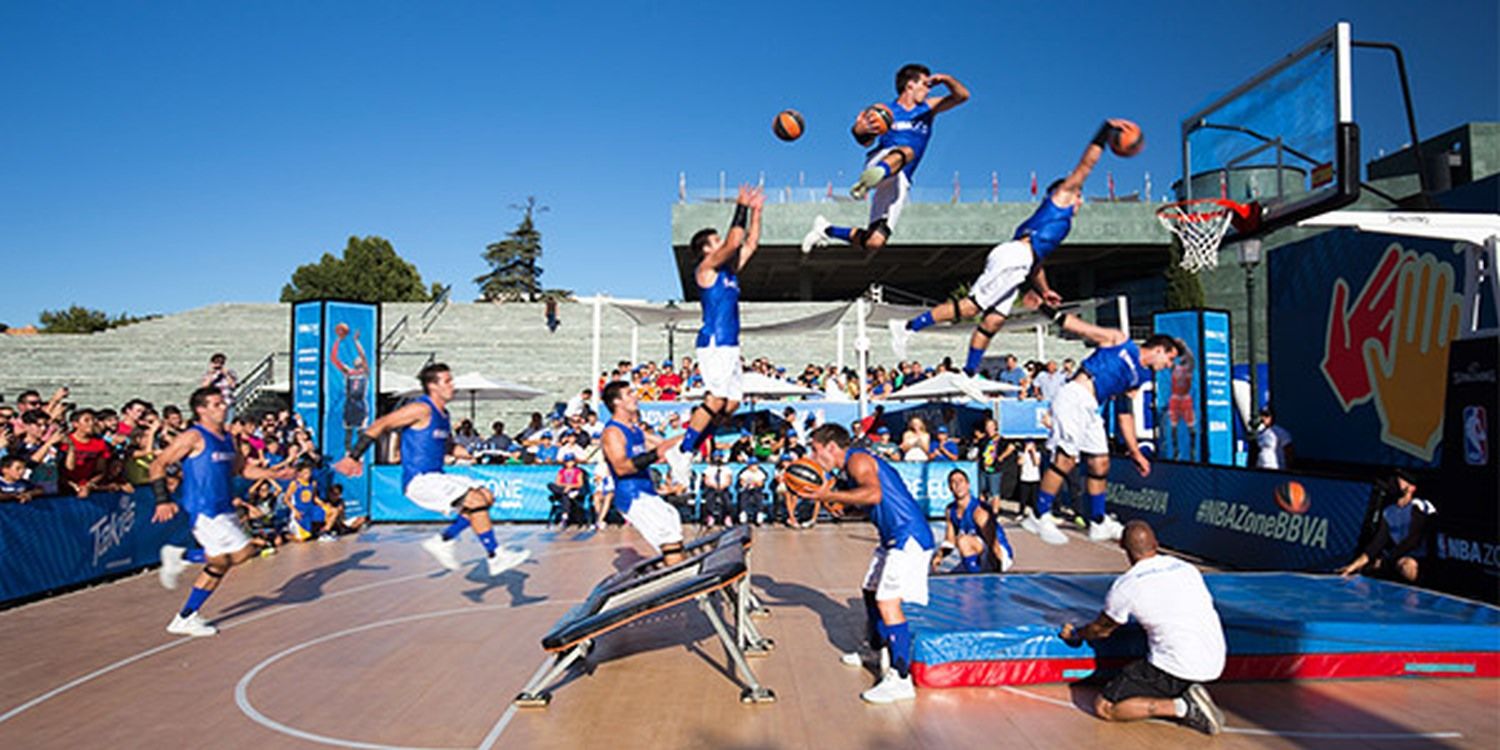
<point>164,155</point>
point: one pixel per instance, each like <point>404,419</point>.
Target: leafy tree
<point>80,319</point>
<point>1184,288</point>
<point>514,274</point>
<point>369,271</point>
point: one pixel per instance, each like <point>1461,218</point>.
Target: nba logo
<point>1476,436</point>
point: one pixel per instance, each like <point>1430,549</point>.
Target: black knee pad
<point>986,331</point>
<point>213,571</point>
<point>1052,468</point>
<point>957,313</point>
<point>881,227</point>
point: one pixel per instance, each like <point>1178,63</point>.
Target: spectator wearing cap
<point>578,403</point>
<point>567,494</point>
<point>221,377</point>
<point>880,443</point>
<point>944,447</point>
<point>546,450</point>
<point>1273,443</point>
<point>1400,541</point>
<point>668,383</point>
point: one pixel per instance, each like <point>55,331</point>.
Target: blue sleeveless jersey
<point>628,487</point>
<point>721,310</point>
<point>1115,370</point>
<point>897,516</point>
<point>911,128</point>
<point>422,451</point>
<point>1047,227</point>
<point>206,478</point>
<point>963,523</point>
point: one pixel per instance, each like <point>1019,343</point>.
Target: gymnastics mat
<point>1002,630</point>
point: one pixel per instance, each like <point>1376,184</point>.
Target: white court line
<point>1273,732</point>
<point>510,712</point>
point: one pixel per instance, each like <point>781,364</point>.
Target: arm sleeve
<point>1380,540</point>
<point>1415,538</point>
<point>1117,602</point>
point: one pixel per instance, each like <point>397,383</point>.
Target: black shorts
<point>1140,679</point>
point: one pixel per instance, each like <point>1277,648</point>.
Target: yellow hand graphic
<point>1411,379</point>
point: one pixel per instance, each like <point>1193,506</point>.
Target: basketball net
<point>1200,225</point>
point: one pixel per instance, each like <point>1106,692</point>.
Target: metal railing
<point>393,338</point>
<point>261,375</point>
<point>433,311</point>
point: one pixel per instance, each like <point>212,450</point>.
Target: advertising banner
<point>1218,399</point>
<point>349,372</point>
<point>53,542</point>
<point>307,357</point>
<point>1194,409</point>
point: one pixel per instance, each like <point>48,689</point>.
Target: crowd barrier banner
<point>1251,519</point>
<point>521,492</point>
<point>53,542</point>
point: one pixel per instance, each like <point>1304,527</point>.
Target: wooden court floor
<point>365,643</point>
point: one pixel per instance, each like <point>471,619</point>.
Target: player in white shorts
<point>426,440</point>
<point>209,463</point>
<point>630,452</point>
<point>1013,267</point>
<point>717,276</point>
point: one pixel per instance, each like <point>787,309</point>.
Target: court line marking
<point>127,661</point>
<point>510,711</point>
<point>1271,732</point>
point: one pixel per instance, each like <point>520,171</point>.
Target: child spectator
<point>13,485</point>
<point>87,456</point>
<point>301,496</point>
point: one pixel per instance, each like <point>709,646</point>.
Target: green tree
<point>1184,288</point>
<point>369,271</point>
<point>80,319</point>
<point>514,274</point>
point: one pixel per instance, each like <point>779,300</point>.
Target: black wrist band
<point>643,461</point>
<point>159,489</point>
<point>1106,130</point>
<point>360,446</point>
<point>741,216</point>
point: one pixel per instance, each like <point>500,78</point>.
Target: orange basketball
<point>883,115</point>
<point>1292,497</point>
<point>803,476</point>
<point>1127,139</point>
<point>788,125</point>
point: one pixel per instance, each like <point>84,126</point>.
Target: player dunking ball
<point>630,451</point>
<point>426,439</point>
<point>898,149</point>
<point>1011,267</point>
<point>718,281</point>
<point>898,571</point>
<point>209,464</point>
<point>1116,369</point>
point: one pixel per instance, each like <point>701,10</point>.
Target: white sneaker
<point>1048,531</point>
<point>1028,522</point>
<point>900,337</point>
<point>1107,530</point>
<point>969,384</point>
<point>192,625</point>
<point>680,466</point>
<point>1006,562</point>
<point>172,565</point>
<point>852,659</point>
<point>506,558</point>
<point>442,551</point>
<point>816,237</point>
<point>892,688</point>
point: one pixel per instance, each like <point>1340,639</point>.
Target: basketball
<point>1127,139</point>
<point>884,116</point>
<point>788,125</point>
<point>803,477</point>
<point>341,329</point>
<point>1292,497</point>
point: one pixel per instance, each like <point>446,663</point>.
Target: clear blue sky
<point>157,156</point>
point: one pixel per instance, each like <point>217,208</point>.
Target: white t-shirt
<point>1272,441</point>
<point>1031,469</point>
<point>1170,601</point>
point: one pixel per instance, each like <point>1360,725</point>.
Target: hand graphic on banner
<point>1368,321</point>
<point>1409,378</point>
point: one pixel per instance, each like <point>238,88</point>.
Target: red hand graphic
<point>1368,319</point>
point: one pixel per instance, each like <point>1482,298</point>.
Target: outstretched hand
<point>164,512</point>
<point>757,198</point>
<point>349,466</point>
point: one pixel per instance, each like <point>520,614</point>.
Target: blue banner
<point>53,542</point>
<point>1218,400</point>
<point>1245,518</point>
<point>307,357</point>
<point>349,376</point>
<point>521,492</point>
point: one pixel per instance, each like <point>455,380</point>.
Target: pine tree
<point>514,274</point>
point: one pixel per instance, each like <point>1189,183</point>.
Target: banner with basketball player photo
<point>1246,518</point>
<point>1360,329</point>
<point>351,335</point>
<point>1194,415</point>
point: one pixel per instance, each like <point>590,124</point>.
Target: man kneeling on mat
<point>1184,639</point>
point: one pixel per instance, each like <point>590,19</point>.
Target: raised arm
<point>333,354</point>
<point>957,93</point>
<point>752,238</point>
<point>732,241</point>
<point>1097,334</point>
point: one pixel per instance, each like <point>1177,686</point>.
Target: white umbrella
<point>395,382</point>
<point>951,385</point>
<point>477,386</point>
<point>757,385</point>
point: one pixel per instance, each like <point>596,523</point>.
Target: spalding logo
<point>1292,497</point>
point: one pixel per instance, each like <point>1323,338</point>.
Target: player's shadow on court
<point>842,622</point>
<point>513,581</point>
<point>303,587</point>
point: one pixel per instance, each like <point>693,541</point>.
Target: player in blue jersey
<point>630,451</point>
<point>717,276</point>
<point>209,463</point>
<point>426,441</point>
<point>890,165</point>
<point>356,381</point>
<point>898,571</point>
<point>1013,267</point>
<point>973,531</point>
<point>1116,370</point>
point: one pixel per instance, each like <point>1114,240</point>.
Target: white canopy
<point>760,386</point>
<point>952,385</point>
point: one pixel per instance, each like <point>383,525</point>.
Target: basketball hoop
<point>1200,224</point>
